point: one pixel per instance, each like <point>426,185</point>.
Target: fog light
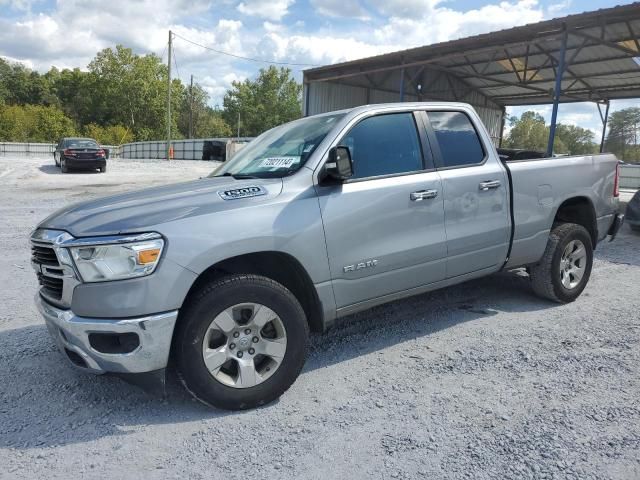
<point>114,342</point>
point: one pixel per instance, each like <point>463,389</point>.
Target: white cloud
<point>438,24</point>
<point>405,8</point>
<point>312,49</point>
<point>272,9</point>
<point>557,8</point>
<point>340,8</point>
<point>23,5</point>
<point>76,30</point>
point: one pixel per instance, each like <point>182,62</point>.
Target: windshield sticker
<point>279,162</point>
<point>308,148</point>
<point>244,192</point>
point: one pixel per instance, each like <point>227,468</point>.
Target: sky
<point>68,33</point>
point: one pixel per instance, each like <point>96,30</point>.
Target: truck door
<point>384,227</point>
<point>475,190</point>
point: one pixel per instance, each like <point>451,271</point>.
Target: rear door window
<point>384,145</point>
<point>457,138</point>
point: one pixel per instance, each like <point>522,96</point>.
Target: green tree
<point>273,98</point>
<point>623,138</point>
<point>34,123</point>
<point>109,135</point>
<point>21,86</point>
<point>207,122</point>
<point>577,140</point>
<point>131,90</point>
<point>213,125</point>
<point>73,90</point>
<point>530,132</point>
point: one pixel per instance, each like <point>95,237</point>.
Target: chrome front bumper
<point>71,334</point>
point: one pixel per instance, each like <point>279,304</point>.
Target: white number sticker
<point>279,162</point>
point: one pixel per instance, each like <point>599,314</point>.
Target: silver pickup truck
<point>224,277</point>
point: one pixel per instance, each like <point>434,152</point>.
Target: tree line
<point>122,97</point>
<point>530,132</point>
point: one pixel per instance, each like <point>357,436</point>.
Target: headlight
<point>101,263</point>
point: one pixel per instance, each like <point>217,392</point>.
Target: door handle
<point>484,186</point>
<point>423,195</point>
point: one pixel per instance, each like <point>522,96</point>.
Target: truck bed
<point>540,186</point>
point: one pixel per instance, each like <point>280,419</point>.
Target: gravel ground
<point>481,380</point>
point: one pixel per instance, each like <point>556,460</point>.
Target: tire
<point>238,294</point>
<point>547,276</point>
<point>103,169</point>
<point>56,161</point>
<point>63,166</point>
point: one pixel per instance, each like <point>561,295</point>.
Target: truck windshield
<point>280,151</point>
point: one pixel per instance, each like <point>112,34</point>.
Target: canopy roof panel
<point>518,66</point>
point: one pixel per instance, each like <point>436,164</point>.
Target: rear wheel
<point>241,342</point>
<point>103,169</point>
<point>63,166</point>
<point>565,267</point>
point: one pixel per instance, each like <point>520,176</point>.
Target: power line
<point>250,59</point>
<point>175,61</point>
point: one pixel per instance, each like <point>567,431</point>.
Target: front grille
<point>57,279</point>
<point>44,255</point>
<point>51,286</point>
<point>48,269</point>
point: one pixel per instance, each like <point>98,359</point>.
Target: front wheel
<point>240,342</point>
<point>565,267</point>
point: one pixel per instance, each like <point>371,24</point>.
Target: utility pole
<point>191,108</point>
<point>238,125</point>
<point>169,98</point>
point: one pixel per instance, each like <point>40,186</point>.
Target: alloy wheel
<point>573,264</point>
<point>244,345</point>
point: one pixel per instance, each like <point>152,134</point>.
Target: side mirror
<point>339,166</point>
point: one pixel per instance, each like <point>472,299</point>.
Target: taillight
<point>616,182</point>
<point>69,153</point>
<point>100,153</point>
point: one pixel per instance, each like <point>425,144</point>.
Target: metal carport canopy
<point>591,56</point>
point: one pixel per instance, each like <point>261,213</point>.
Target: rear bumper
<point>71,334</point>
<point>618,220</point>
<point>87,163</point>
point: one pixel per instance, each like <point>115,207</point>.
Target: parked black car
<point>632,215</point>
<point>80,153</point>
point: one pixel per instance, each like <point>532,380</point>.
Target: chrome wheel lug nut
<point>255,339</point>
<point>232,346</point>
<point>251,351</point>
<point>236,334</point>
<point>247,331</point>
<point>239,354</point>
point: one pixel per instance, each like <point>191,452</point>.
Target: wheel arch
<point>579,210</point>
<point>278,266</point>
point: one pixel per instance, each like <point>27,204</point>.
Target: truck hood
<point>141,210</point>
